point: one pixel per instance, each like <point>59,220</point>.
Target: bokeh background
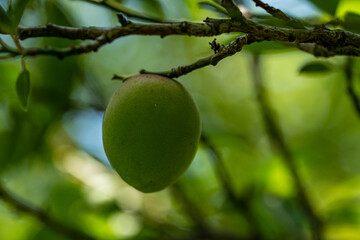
<point>52,156</point>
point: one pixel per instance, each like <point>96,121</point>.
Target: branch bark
<point>224,51</point>
<point>333,42</point>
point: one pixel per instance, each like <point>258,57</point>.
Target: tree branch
<point>42,216</point>
<point>236,46</point>
<point>208,29</point>
<point>330,42</point>
<point>321,51</point>
<point>60,53</point>
<point>52,30</point>
<point>70,51</point>
<point>211,27</point>
<point>224,51</point>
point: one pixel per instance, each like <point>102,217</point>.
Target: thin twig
<point>349,72</point>
<point>65,52</point>
<point>278,141</point>
<point>120,77</point>
<point>224,51</point>
<point>123,20</point>
<point>41,215</point>
<point>277,13</point>
<point>18,44</point>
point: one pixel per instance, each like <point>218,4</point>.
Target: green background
<point>51,156</point>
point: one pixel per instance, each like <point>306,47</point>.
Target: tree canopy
<point>276,84</point>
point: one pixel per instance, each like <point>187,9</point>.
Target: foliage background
<point>52,155</point>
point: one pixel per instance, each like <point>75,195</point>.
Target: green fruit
<point>151,130</point>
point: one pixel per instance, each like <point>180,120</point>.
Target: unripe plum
<point>151,129</point>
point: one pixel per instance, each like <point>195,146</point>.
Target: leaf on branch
<point>119,7</point>
<point>328,6</point>
<point>16,10</point>
<point>208,4</point>
<point>23,88</point>
<point>153,6</point>
<point>6,25</point>
<point>316,67</point>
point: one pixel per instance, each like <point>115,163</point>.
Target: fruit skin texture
<point>151,129</point>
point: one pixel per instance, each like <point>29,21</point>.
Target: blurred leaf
<point>264,46</point>
<point>343,191</point>
<point>315,67</point>
<point>46,233</point>
<point>352,21</point>
<point>67,201</point>
<point>6,25</point>
<point>209,4</point>
<point>23,88</point>
<point>153,6</point>
<point>58,13</point>
<point>24,137</point>
<point>328,6</point>
<point>16,10</point>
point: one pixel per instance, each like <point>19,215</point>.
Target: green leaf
<point>16,10</point>
<point>214,6</point>
<point>23,88</point>
<point>6,25</point>
<point>153,6</point>
<point>352,22</point>
<point>328,6</point>
<point>315,67</point>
